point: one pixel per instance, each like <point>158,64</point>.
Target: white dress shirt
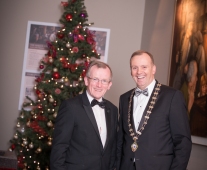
<point>140,103</point>
<point>99,114</point>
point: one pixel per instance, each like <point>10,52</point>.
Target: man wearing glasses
<point>86,126</point>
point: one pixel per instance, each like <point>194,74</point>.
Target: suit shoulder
<point>170,90</point>
<point>73,100</point>
<point>110,103</point>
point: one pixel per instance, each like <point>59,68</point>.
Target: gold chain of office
<point>135,135</point>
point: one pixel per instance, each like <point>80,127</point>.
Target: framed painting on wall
<point>37,36</point>
<point>188,71</point>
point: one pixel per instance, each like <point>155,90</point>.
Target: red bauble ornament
<point>54,53</point>
<point>41,96</point>
<point>73,67</point>
<point>55,104</point>
<point>38,79</point>
<point>56,75</point>
<point>65,4</point>
<point>83,73</point>
<point>57,91</point>
<point>62,59</point>
<point>90,40</point>
<point>38,91</point>
<point>12,146</point>
<point>75,49</point>
<point>69,17</point>
<point>65,65</point>
<point>81,37</point>
<point>39,106</point>
<point>41,66</point>
<point>86,64</point>
<point>60,35</point>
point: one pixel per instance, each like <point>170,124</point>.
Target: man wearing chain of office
<point>154,131</point>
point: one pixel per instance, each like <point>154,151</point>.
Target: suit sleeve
<point>61,137</point>
<point>119,137</point>
<point>180,130</point>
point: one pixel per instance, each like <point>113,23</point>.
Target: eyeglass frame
<point>96,80</point>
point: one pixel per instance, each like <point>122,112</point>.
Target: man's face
<point>97,89</point>
<point>142,70</point>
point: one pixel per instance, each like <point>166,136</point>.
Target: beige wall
<point>134,24</point>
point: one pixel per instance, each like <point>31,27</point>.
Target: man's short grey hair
<point>98,64</point>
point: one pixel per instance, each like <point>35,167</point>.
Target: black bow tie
<point>138,92</point>
<point>95,102</point>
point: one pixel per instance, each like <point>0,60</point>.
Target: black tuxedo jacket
<point>76,141</point>
<point>165,143</point>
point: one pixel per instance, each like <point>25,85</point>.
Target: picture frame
<point>188,70</point>
<point>38,33</point>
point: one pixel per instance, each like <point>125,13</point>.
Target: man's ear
<point>109,86</point>
<point>86,81</point>
<point>154,69</point>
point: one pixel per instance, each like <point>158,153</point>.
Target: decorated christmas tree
<point>62,72</point>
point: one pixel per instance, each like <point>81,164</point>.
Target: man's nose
<point>99,83</point>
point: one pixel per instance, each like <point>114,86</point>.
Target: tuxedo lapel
<point>131,113</point>
<point>90,113</point>
<point>108,123</point>
<point>146,108</point>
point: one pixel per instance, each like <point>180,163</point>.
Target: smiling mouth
<point>140,77</point>
<point>98,90</point>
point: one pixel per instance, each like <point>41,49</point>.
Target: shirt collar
<point>90,98</point>
<point>150,87</point>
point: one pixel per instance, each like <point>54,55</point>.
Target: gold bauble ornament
<point>66,79</point>
<point>16,136</point>
<point>28,123</point>
<point>49,143</point>
<point>39,150</point>
<point>50,60</point>
<point>68,45</point>
<point>51,100</point>
<point>25,142</point>
<point>50,124</point>
<point>55,115</point>
<point>80,79</point>
<point>31,145</point>
<point>55,69</point>
<point>62,79</point>
<point>18,124</point>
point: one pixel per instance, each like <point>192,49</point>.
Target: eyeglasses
<point>96,80</point>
